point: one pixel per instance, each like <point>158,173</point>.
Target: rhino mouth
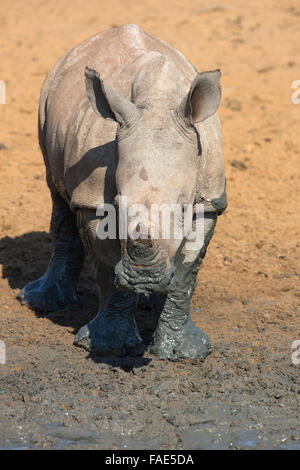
<point>144,279</point>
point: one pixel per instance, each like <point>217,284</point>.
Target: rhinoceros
<point>126,114</point>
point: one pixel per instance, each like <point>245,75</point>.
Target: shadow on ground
<point>25,258</point>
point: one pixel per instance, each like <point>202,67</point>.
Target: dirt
<point>246,393</point>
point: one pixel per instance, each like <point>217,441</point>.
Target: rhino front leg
<point>113,331</point>
<point>57,288</point>
<point>176,335</point>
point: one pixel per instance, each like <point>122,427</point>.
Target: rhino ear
<point>203,98</point>
<point>106,102</point>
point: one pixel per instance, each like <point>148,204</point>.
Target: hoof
<point>108,336</point>
<point>45,296</point>
<point>189,342</point>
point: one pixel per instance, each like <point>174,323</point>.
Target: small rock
<point>265,69</point>
<point>3,146</point>
<point>239,165</point>
<point>259,273</point>
<point>233,104</point>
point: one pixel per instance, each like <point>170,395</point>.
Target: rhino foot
<point>186,342</point>
<point>106,335</point>
<point>48,295</point>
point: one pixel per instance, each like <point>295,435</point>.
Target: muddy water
<point>60,398</point>
<point>216,430</point>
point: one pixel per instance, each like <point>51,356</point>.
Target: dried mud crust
<point>246,393</point>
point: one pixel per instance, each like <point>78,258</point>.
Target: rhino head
<point>158,158</point>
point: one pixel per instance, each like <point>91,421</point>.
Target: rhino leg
<point>113,331</point>
<point>176,335</point>
<point>57,288</point>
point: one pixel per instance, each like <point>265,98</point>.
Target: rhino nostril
<point>138,232</point>
<point>139,242</point>
<point>140,247</point>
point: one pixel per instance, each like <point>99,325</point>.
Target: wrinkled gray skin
<point>148,130</point>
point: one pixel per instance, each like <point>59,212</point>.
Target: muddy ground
<point>246,394</point>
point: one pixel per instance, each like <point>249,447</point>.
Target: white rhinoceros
<point>125,114</point>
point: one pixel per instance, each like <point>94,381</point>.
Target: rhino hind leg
<point>57,288</point>
<point>113,331</point>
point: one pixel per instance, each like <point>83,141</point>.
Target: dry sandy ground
<point>246,394</point>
